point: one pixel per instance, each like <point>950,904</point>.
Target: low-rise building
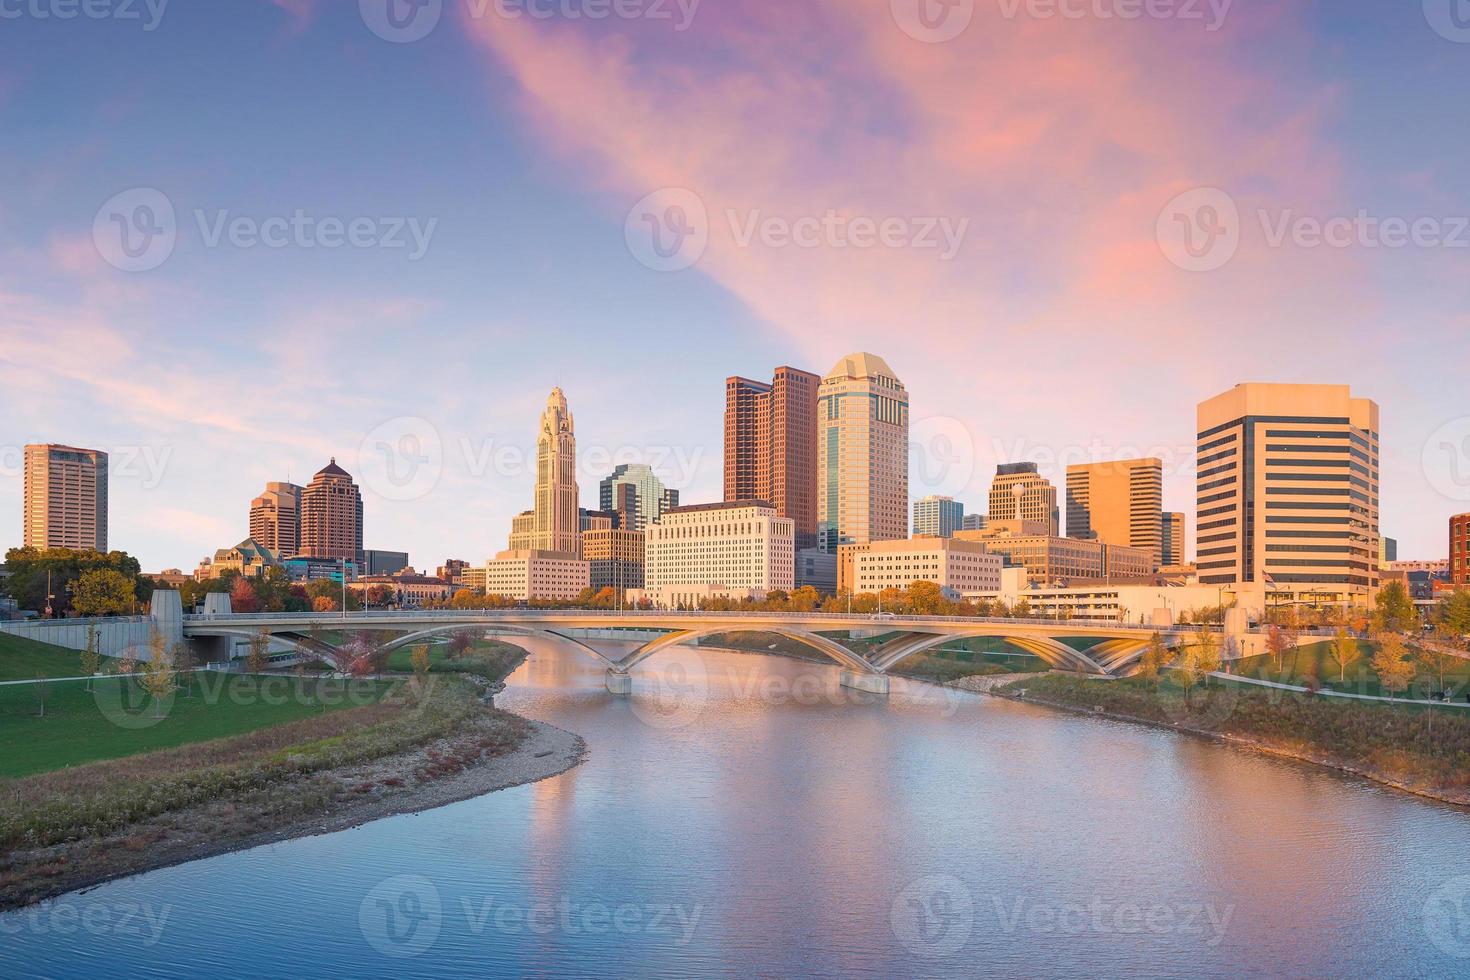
<point>1130,605</point>
<point>614,557</point>
<point>818,569</point>
<point>384,562</point>
<point>1052,560</point>
<point>249,559</point>
<point>959,568</point>
<point>740,547</point>
<point>528,574</point>
<point>408,588</point>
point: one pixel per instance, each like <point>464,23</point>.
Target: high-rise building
<point>938,517</point>
<point>636,493</point>
<point>1020,493</point>
<point>737,549</point>
<point>331,516</point>
<point>555,523</point>
<point>65,498</point>
<point>1173,553</point>
<point>1118,502</point>
<point>614,558</point>
<point>1288,493</point>
<point>1460,549</point>
<point>770,445</point>
<point>275,518</point>
<point>862,454</point>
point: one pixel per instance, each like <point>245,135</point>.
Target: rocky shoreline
<point>189,835</point>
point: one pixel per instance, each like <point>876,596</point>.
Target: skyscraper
<point>555,523</point>
<point>275,518</point>
<point>331,516</point>
<point>1288,493</point>
<point>1118,502</point>
<point>862,454</point>
<point>938,517</point>
<point>634,490</point>
<point>1460,549</point>
<point>770,446</point>
<point>65,498</point>
<point>1019,492</point>
<point>1173,539</point>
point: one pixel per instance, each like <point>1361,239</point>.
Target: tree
<point>1454,615</point>
<point>926,598</point>
<point>1022,609</point>
<point>1391,664</point>
<point>92,656</point>
<point>1186,668</point>
<point>1395,609</point>
<point>258,658</point>
<point>42,689</point>
<point>324,603</point>
<point>1207,654</point>
<point>461,640</point>
<point>103,592</point>
<point>1277,645</point>
<point>1155,656</point>
<point>184,665</point>
<point>29,569</point>
<point>420,659</point>
<point>1343,651</point>
<point>1437,661</point>
<point>158,678</point>
<point>805,599</point>
<point>379,595</point>
<point>243,598</point>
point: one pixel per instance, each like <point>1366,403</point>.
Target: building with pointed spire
<point>554,524</point>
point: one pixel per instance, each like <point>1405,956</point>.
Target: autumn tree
<point>243,598</point>
<point>1454,615</point>
<point>1186,668</point>
<point>92,656</point>
<point>1207,654</point>
<point>420,659</point>
<point>1277,645</point>
<point>805,599</point>
<point>1395,609</point>
<point>184,666</point>
<point>1391,663</point>
<point>1344,651</point>
<point>258,658</point>
<point>1437,662</point>
<point>158,677</point>
<point>103,592</point>
<point>1155,656</point>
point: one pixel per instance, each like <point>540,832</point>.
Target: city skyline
<point>202,400</point>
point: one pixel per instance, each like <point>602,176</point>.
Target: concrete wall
<point>116,635</point>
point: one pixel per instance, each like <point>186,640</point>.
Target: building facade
<point>275,518</point>
<point>1020,493</point>
<point>818,569</point>
<point>408,590</point>
<point>526,575</point>
<point>1118,502</point>
<point>771,446</point>
<point>383,562</point>
<point>1173,554</point>
<point>1460,549</point>
<point>249,559</point>
<point>554,525</point>
<point>973,522</point>
<point>862,454</point>
<point>65,498</point>
<point>938,517</point>
<point>1288,493</point>
<point>636,494</point>
<point>331,516</point>
<point>959,568</point>
<point>740,547</point>
<point>614,557</point>
<point>1052,560</point>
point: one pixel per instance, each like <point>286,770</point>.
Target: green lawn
<point>1315,660</point>
<point>22,659</point>
<point>115,719</point>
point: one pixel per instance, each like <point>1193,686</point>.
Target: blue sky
<point>1060,327</point>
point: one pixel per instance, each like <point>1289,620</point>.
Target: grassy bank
<point>1424,751</point>
<point>1312,662</point>
<point>490,659</point>
<point>23,659</point>
<point>112,717</point>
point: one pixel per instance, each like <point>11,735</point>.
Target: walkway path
<point>1328,693</point>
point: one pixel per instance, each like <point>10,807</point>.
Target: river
<point>743,815</point>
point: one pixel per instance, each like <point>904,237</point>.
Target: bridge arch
<point>445,629</point>
<point>1054,652</point>
<point>836,651</point>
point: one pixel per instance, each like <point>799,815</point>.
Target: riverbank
<point>1425,753</point>
<point>78,828</point>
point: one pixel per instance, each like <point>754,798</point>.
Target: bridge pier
<point>860,680</point>
<point>619,682</point>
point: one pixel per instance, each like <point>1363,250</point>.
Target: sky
<point>240,238</point>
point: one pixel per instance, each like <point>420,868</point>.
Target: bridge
<point>1110,650</point>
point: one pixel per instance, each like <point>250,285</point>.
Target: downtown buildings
<point>554,524</point>
<point>862,454</point>
<point>938,517</point>
<point>734,550</point>
<point>635,493</point>
<point>1119,502</point>
<point>1288,494</point>
<point>65,498</point>
<point>331,517</point>
<point>1020,493</point>
<point>1460,550</point>
<point>275,518</point>
<point>770,446</point>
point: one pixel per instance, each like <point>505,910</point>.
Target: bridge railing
<point>867,621</point>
